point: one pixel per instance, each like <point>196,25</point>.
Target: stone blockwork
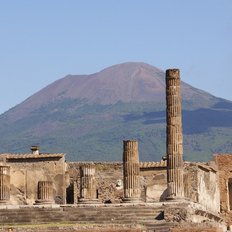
<point>26,170</point>
<point>71,228</point>
<point>174,146</point>
<point>131,171</point>
<point>199,182</point>
<point>153,183</point>
<point>88,190</point>
<point>224,164</point>
<point>200,187</point>
<point>109,181</point>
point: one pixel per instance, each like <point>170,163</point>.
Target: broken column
<point>174,143</point>
<point>45,192</point>
<point>131,177</point>
<point>4,184</point>
<point>88,191</point>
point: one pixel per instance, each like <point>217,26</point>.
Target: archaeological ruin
<point>171,195</point>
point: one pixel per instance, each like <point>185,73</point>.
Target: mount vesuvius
<point>88,116</point>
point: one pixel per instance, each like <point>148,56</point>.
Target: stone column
<point>174,143</point>
<point>4,184</point>
<point>45,192</point>
<point>131,177</point>
<point>88,191</point>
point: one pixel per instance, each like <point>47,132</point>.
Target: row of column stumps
<point>174,137</point>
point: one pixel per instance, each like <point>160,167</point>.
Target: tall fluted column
<point>45,192</point>
<point>174,146</point>
<point>4,184</point>
<point>88,191</point>
<point>131,176</point>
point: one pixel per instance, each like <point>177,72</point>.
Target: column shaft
<point>4,184</point>
<point>88,192</point>
<point>131,171</point>
<point>174,147</point>
<point>45,192</point>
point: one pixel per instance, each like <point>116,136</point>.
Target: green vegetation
<point>95,132</point>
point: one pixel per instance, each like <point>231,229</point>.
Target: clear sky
<point>44,40</point>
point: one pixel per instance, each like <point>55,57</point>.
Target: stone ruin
<point>174,195</point>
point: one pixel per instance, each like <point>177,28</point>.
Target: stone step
<point>112,215</point>
<point>163,227</point>
<point>89,215</point>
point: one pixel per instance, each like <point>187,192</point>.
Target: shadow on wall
<point>164,195</point>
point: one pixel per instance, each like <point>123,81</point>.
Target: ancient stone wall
<point>208,190</point>
<point>154,183</point>
<point>224,164</point>
<point>25,174</point>
<point>190,182</point>
<point>109,181</point>
<point>200,185</point>
<point>109,178</point>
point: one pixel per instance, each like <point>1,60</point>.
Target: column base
<point>5,202</point>
<point>44,202</point>
<point>131,200</point>
<point>88,201</point>
<point>175,198</point>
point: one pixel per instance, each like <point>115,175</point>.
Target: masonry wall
<point>224,164</point>
<point>201,185</point>
<point>154,183</point>
<point>25,175</point>
<point>109,177</point>
<point>208,189</point>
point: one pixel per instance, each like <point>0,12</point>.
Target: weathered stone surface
<point>224,164</point>
<point>88,192</point>
<point>107,176</point>
<point>196,228</point>
<point>199,185</point>
<point>4,184</point>
<point>45,192</point>
<point>27,169</point>
<point>174,147</point>
<point>131,171</point>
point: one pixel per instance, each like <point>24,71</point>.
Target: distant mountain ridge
<point>87,116</point>
<point>128,82</point>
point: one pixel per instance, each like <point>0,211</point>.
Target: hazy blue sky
<point>44,40</point>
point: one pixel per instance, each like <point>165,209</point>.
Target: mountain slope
<point>88,116</point>
<point>128,82</point>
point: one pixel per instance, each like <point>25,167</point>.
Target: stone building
<point>173,192</point>
<point>28,171</point>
